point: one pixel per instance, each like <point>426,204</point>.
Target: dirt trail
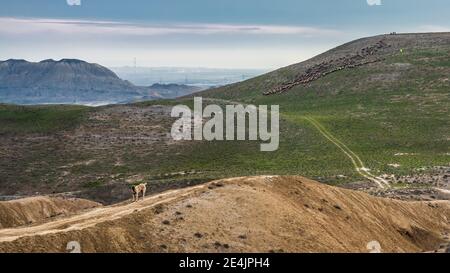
<point>356,160</point>
<point>92,217</point>
<point>248,214</point>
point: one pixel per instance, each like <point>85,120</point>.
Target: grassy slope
<point>39,119</point>
<point>33,163</point>
<point>397,106</point>
<point>376,114</point>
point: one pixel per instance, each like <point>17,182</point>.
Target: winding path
<point>356,160</point>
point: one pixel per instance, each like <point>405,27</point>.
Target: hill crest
<point>246,214</point>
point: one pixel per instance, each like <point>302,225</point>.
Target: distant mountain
<point>71,81</point>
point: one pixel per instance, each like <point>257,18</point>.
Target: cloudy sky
<point>203,33</point>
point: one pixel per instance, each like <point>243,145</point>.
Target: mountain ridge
<point>73,81</point>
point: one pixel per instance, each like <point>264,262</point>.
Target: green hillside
<point>399,105</point>
<point>391,114</point>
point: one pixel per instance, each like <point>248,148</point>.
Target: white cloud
<point>111,56</point>
<point>74,2</point>
<point>35,26</point>
<point>374,2</point>
<point>116,43</point>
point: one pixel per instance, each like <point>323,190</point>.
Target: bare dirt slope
<point>252,214</point>
<point>38,209</point>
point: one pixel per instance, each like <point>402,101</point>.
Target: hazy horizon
<point>257,34</point>
<point>196,76</point>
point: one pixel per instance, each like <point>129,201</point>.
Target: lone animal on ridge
<point>141,188</point>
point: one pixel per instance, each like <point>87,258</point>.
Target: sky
<point>264,34</point>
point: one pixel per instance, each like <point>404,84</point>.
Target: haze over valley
<point>194,76</point>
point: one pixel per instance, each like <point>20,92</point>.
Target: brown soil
<point>38,209</point>
<point>252,214</point>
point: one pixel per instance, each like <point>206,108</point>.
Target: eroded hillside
<point>253,214</point>
<point>34,210</point>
